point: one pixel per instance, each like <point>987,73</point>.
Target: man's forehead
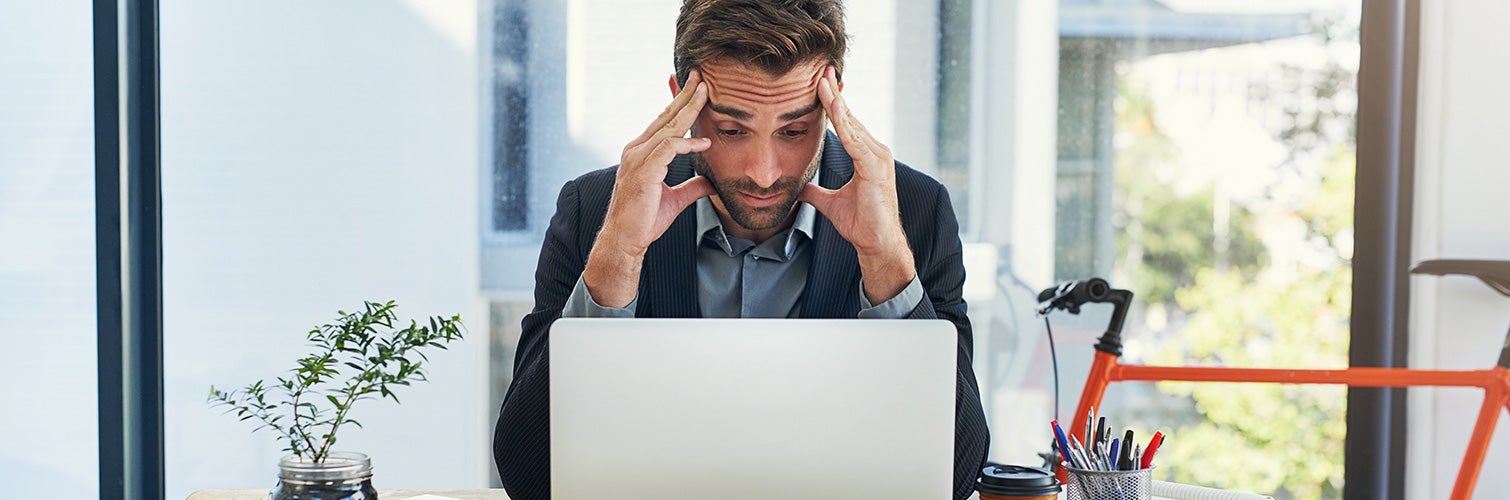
<point>741,86</point>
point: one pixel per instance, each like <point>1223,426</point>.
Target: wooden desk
<point>261,494</point>
<point>382,494</point>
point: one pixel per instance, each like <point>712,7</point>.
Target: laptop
<point>752,409</point>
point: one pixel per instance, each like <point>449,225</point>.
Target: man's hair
<point>772,35</point>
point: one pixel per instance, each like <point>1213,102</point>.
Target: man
<point>750,235</point>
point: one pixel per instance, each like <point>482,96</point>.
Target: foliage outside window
<point>1258,281</point>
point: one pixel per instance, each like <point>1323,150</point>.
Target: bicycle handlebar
<point>1070,295</point>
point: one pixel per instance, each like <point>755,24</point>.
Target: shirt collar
<point>707,220</point>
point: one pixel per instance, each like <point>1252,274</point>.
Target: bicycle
<point>1107,367</point>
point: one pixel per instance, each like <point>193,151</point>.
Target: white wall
<point>1463,175</point>
<point>48,422</point>
<point>315,155</point>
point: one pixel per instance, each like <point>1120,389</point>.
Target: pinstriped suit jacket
<point>521,441</point>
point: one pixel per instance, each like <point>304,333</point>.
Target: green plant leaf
<point>376,358</point>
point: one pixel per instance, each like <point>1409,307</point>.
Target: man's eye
<point>794,133</point>
<point>730,132</point>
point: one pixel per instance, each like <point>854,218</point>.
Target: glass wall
<point>1198,153</point>
<point>1205,161</point>
<point>48,402</point>
<point>315,156</point>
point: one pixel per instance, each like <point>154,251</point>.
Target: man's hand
<point>864,211</point>
<point>642,205</point>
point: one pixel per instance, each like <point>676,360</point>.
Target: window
<point>303,173</point>
<point>1194,151</point>
<point>1185,150</point>
<point>1190,151</point>
<point>510,53</point>
<point>47,280</point>
<point>1204,160</point>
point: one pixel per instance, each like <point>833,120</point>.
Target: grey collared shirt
<point>737,278</point>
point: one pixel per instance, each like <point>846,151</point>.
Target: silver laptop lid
<point>752,409</point>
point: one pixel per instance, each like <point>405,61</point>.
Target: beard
<point>757,218</point>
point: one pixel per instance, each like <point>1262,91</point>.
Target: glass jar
<point>342,476</point>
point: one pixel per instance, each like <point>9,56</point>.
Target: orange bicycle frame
<point>1107,368</point>
<point>1495,382</point>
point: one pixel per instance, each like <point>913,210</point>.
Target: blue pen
<point>1116,446</point>
<point>1064,444</point>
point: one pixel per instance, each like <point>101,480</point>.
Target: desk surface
<point>498,494</point>
<point>383,494</point>
<point>261,494</point>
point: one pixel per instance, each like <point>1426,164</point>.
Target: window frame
<point>129,245</point>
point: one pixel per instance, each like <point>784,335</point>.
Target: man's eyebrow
<point>793,115</point>
<point>738,114</point>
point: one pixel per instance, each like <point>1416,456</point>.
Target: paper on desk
<point>1177,491</point>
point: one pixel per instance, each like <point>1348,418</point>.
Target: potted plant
<point>353,360</point>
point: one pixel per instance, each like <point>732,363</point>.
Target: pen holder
<point>1109,485</point>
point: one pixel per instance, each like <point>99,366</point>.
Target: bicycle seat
<point>1496,273</point>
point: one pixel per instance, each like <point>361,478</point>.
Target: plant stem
<point>297,429</point>
<point>340,415</point>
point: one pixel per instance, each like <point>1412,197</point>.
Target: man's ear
<point>676,88</point>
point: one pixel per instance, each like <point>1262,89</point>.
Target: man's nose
<point>764,169</point>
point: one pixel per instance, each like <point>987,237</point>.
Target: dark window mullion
<point>128,242</point>
<point>1375,463</point>
<point>107,242</point>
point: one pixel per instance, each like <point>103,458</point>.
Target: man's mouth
<point>760,201</point>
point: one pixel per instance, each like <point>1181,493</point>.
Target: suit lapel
<point>668,280</point>
<point>831,278</point>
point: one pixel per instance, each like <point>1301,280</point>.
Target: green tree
<point>1275,438</point>
<point>1235,304</point>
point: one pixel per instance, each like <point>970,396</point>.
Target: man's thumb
<point>690,191</point>
<point>817,196</point>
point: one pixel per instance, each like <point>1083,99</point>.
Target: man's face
<point>767,135</point>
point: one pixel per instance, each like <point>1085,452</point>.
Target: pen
<point>1085,460</point>
<point>1064,444</point>
<point>1124,462</point>
<point>1090,419</point>
<point>1101,434</point>
<point>1153,447</point>
<point>1112,458</point>
<point>1101,449</point>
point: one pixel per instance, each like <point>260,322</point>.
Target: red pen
<point>1153,446</point>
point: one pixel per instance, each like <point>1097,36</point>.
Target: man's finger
<point>668,148</point>
<point>681,121</point>
<point>857,131</point>
<point>681,100</point>
<point>829,97</point>
<point>635,154</point>
<point>845,125</point>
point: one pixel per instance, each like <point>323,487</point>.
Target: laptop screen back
<point>757,409</point>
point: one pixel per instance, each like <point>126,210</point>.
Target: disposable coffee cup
<point>1016,482</point>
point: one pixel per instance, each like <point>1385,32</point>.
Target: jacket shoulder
<point>600,180</point>
<point>593,191</point>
